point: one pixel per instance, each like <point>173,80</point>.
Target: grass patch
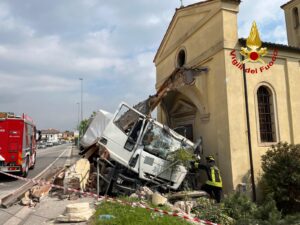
<point>125,215</point>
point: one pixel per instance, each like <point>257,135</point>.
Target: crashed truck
<point>135,149</point>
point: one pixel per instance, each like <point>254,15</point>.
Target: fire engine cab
<point>17,143</point>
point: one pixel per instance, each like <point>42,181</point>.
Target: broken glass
<point>158,141</point>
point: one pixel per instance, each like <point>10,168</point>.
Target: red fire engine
<point>17,143</point>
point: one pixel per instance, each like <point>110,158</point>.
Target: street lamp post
<point>81,106</point>
<point>78,123</point>
<point>81,79</point>
<point>78,117</point>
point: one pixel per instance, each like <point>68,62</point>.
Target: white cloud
<point>269,18</point>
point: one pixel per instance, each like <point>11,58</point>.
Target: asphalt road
<point>55,156</point>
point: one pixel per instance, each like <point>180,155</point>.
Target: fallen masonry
<point>77,212</point>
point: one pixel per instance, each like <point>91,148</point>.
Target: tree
<point>281,175</point>
<point>83,126</point>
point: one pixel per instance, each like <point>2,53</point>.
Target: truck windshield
<point>160,142</point>
<point>126,118</point>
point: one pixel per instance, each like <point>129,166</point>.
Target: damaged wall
<point>210,119</point>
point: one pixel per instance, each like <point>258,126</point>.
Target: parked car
<point>42,145</point>
<point>49,144</point>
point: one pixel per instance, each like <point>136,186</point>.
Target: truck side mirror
<point>38,135</point>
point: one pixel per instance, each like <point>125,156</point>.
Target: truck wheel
<point>25,171</point>
<point>33,161</point>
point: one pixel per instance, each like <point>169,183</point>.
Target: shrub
<point>281,175</point>
<point>239,207</point>
<point>245,212</point>
<point>208,210</point>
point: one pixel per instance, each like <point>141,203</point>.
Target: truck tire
<point>26,169</point>
<point>34,160</point>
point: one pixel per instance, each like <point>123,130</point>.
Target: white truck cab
<point>143,146</point>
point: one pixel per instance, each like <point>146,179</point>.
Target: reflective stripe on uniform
<point>216,179</point>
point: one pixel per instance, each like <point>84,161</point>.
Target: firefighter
<point>213,185</point>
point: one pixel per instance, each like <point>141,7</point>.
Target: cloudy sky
<point>45,46</point>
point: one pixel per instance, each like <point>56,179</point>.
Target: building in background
<point>68,136</point>
<point>51,135</point>
<point>205,34</point>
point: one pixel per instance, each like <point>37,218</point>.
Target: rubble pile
<point>180,202</point>
<point>92,182</point>
<point>77,175</point>
<point>35,194</point>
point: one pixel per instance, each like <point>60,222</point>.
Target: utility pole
<point>78,118</point>
<point>81,106</point>
<point>78,122</point>
<point>81,79</point>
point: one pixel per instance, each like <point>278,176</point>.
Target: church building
<point>247,101</point>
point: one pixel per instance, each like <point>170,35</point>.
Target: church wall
<point>237,123</point>
<point>215,130</point>
<point>283,78</point>
<point>293,78</point>
<point>194,45</point>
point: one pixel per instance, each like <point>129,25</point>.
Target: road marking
<point>19,217</point>
<point>69,148</point>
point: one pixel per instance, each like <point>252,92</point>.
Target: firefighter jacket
<point>213,174</point>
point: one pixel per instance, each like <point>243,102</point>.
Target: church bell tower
<point>292,20</point>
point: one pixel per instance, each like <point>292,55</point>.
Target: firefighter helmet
<point>210,158</point>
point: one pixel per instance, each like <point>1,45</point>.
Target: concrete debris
<point>40,191</point>
<point>77,212</point>
<point>143,193</point>
<point>158,199</point>
<point>59,179</point>
<point>26,201</point>
<point>185,206</point>
<point>35,194</point>
<point>92,182</point>
<point>77,175</point>
<point>183,200</point>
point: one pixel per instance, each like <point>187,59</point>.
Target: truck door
<point>15,142</point>
<point>121,134</point>
<point>3,141</point>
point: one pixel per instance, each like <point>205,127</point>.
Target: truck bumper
<point>10,168</point>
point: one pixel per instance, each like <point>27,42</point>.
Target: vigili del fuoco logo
<point>253,52</point>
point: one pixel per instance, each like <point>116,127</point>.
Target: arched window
<point>181,58</point>
<point>266,114</point>
<point>296,17</point>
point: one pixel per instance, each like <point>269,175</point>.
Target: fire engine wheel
<point>33,162</point>
<point>25,172</point>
